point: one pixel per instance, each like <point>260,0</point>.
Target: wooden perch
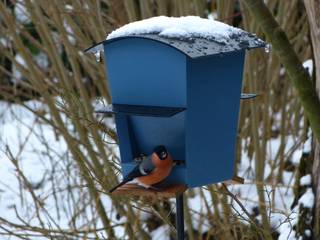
<point>234,180</point>
<point>136,190</point>
<point>165,192</point>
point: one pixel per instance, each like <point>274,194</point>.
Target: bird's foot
<point>154,188</point>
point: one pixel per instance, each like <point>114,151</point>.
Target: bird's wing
<point>133,174</point>
<point>142,169</point>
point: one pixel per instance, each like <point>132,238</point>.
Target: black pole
<point>180,217</point>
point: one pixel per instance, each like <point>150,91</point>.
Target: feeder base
<point>136,190</point>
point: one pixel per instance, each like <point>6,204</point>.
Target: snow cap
<point>183,28</point>
<point>192,35</point>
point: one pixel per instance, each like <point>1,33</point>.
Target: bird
<point>151,170</point>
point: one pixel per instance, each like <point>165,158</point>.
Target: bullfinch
<point>150,170</point>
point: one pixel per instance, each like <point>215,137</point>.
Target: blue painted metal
<point>214,88</point>
<point>156,76</point>
<point>128,149</point>
<point>146,72</point>
<point>151,74</point>
<point>152,131</point>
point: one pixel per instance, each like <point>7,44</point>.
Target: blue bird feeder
<point>181,93</point>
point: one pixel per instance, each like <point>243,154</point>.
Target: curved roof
<point>195,47</point>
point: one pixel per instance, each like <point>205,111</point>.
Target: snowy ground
<point>34,147</point>
<point>29,146</point>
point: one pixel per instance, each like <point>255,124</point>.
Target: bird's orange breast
<point>157,175</point>
<point>162,170</point>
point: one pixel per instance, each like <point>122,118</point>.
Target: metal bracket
<point>248,95</point>
<point>138,110</point>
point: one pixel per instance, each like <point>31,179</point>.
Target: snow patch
<point>70,32</point>
<point>287,178</point>
<point>305,180</point>
<point>308,65</point>
<point>21,13</point>
<point>212,16</point>
<point>296,157</point>
<point>307,199</point>
<point>20,59</point>
<point>286,232</point>
<point>68,7</point>
<point>307,146</point>
<point>161,233</point>
<point>4,42</point>
<point>17,75</point>
<point>308,233</point>
<point>42,60</point>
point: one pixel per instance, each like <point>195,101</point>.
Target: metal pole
<point>180,217</point>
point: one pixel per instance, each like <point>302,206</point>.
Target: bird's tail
<point>119,185</point>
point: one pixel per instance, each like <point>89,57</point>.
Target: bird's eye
<point>163,155</point>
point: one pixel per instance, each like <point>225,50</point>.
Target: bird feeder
<point>183,93</point>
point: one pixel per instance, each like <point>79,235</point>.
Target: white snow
<point>178,27</point>
<point>296,157</point>
<point>307,146</point>
<point>17,75</point>
<point>305,180</point>
<point>69,7</point>
<point>197,204</point>
<point>42,60</point>
<point>308,64</point>
<point>307,232</point>
<point>40,153</point>
<point>286,232</point>
<point>4,42</point>
<point>287,178</point>
<point>212,16</point>
<point>307,199</point>
<point>20,59</point>
<point>161,233</point>
<point>21,13</point>
<point>70,32</point>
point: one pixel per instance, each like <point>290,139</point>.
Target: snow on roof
<point>192,35</point>
<point>178,27</point>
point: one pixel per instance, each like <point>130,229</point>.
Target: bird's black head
<point>161,152</point>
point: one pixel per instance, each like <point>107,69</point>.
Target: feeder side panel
<point>213,92</point>
<point>146,72</point>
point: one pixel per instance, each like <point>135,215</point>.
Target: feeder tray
<point>136,190</point>
<point>234,180</point>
